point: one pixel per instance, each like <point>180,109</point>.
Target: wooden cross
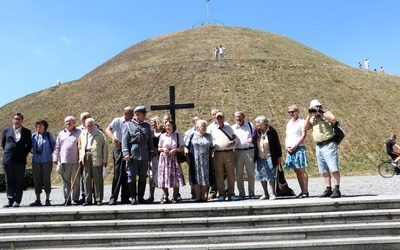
<point>172,106</point>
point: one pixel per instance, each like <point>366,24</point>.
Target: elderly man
<point>120,181</point>
<point>137,149</point>
<point>321,124</point>
<point>66,152</point>
<point>224,140</point>
<point>85,115</point>
<point>93,156</point>
<point>17,143</point>
<point>244,154</point>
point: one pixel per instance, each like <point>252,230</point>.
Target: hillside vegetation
<point>263,73</point>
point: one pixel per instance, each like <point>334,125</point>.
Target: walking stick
<point>73,183</point>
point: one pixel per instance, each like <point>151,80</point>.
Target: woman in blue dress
<point>268,155</point>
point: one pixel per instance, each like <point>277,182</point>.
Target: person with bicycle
<point>390,144</point>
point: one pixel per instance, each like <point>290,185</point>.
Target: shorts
<point>393,155</point>
<point>327,157</point>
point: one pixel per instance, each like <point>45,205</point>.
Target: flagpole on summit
<point>208,15</point>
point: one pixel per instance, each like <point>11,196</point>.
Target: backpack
<point>339,133</point>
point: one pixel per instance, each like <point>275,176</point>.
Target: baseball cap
<point>314,103</point>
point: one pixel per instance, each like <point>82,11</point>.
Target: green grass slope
<point>263,73</point>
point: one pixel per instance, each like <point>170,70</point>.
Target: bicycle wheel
<point>386,169</point>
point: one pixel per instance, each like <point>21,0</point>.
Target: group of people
<point>217,154</point>
<point>219,52</point>
<point>366,66</point>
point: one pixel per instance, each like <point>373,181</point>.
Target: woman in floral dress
<point>169,171</point>
<point>268,155</point>
<point>200,149</point>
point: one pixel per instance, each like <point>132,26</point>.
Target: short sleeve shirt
<point>322,130</point>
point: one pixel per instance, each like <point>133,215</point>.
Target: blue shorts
<point>327,157</point>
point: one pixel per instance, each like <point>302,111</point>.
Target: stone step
<point>348,243</point>
<point>188,210</point>
<point>298,236</point>
<point>201,223</point>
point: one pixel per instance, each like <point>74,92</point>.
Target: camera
<point>314,110</point>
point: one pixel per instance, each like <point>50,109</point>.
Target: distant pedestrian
<point>366,64</point>
<point>221,52</point>
<point>16,143</point>
<point>216,52</point>
<point>359,65</point>
<point>382,69</point>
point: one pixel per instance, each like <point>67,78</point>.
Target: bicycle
<point>386,169</point>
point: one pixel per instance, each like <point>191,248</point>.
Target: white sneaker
<point>272,197</point>
<point>264,197</point>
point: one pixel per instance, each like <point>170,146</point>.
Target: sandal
<point>164,200</point>
<point>305,195</point>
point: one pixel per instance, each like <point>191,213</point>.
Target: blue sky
<point>42,41</point>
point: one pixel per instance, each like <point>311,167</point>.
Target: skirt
<point>265,171</point>
<point>297,159</point>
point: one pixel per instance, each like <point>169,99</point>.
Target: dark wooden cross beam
<point>172,107</point>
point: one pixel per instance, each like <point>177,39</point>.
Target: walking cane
<point>73,183</point>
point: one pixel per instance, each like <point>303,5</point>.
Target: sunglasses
<point>291,112</point>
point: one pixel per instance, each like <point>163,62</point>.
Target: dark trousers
<point>120,180</point>
<point>42,176</point>
<point>14,175</point>
<point>137,168</point>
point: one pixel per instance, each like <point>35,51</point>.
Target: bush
<point>28,180</point>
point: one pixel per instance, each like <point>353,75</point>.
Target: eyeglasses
<point>85,117</point>
<point>291,112</point>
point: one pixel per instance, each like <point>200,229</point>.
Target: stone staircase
<point>346,223</point>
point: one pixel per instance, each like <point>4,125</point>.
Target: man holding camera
<point>321,125</point>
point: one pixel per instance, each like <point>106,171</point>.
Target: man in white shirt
<point>366,63</point>
<point>244,154</point>
<point>120,180</point>
<point>224,140</point>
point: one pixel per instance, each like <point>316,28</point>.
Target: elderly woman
<point>169,171</point>
<point>43,144</point>
<point>296,157</point>
<point>200,150</point>
<point>93,154</point>
<point>268,154</point>
<point>158,129</point>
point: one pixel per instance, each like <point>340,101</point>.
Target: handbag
<point>180,155</point>
<point>339,133</point>
<point>281,186</point>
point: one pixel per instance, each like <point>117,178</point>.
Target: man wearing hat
<point>137,150</point>
<point>224,139</point>
<point>321,124</point>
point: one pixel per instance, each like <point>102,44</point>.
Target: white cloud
<point>66,40</point>
<point>37,51</point>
